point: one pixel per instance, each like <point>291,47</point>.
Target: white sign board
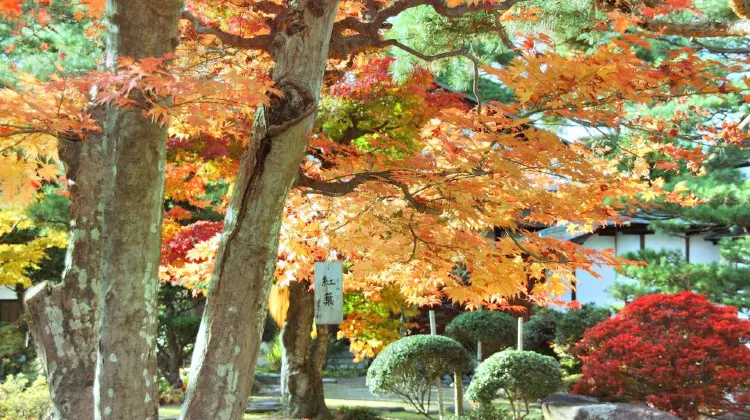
<point>329,293</point>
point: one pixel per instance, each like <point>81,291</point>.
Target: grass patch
<point>173,411</point>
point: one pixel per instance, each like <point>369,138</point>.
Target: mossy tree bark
<point>96,331</point>
<point>229,338</point>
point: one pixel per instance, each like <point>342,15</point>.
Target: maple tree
<point>678,352</point>
<point>413,207</point>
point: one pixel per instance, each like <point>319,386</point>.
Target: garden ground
<point>348,392</point>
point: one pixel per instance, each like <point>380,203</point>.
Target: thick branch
<point>700,29</point>
<point>258,42</point>
<point>267,7</point>
<point>338,189</point>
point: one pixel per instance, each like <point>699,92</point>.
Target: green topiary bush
<point>540,332</point>
<point>573,324</point>
<point>21,400</point>
<point>409,367</point>
<point>570,329</point>
<point>524,377</point>
<point>496,331</point>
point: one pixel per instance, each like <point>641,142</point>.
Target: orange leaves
<point>95,7</point>
<point>528,14</point>
<point>10,9</point>
<point>43,17</point>
<point>421,213</point>
<point>31,118</point>
<point>37,112</point>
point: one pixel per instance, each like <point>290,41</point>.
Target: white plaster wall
<point>660,241</point>
<point>591,289</point>
<point>703,251</point>
<point>7,294</point>
<point>628,243</point>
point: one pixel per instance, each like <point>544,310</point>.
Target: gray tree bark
<point>95,332</point>
<point>126,370</point>
<point>64,318</point>
<point>303,358</point>
<point>229,338</point>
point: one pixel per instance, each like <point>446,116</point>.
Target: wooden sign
<point>329,293</point>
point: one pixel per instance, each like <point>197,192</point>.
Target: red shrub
<point>679,352</point>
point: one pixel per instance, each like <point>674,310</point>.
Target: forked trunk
<point>96,331</point>
<point>229,338</point>
<point>303,358</point>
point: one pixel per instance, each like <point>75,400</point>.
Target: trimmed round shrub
<point>524,376</point>
<point>678,352</point>
<point>408,367</point>
<point>496,330</point>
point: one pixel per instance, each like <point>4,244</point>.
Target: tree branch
<point>722,50</point>
<point>368,32</point>
<point>699,29</point>
<point>338,189</point>
<point>442,8</point>
<point>259,42</point>
<point>429,58</point>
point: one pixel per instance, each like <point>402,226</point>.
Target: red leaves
<point>667,7</point>
<point>177,248</point>
<point>678,352</point>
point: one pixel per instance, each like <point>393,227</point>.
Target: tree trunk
<point>170,356</point>
<point>126,373</point>
<point>96,331</point>
<point>229,338</point>
<point>303,358</point>
<point>63,318</point>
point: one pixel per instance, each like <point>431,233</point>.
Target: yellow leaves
<point>641,168</point>
<point>680,187</point>
<point>48,171</point>
<point>18,259</point>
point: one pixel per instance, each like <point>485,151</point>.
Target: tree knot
<point>297,103</point>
